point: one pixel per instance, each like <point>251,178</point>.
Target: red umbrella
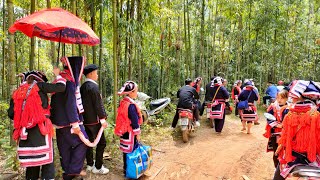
<point>56,24</point>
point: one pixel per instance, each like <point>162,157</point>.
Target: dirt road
<point>211,156</point>
<point>207,155</point>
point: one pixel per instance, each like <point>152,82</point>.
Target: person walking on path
<point>128,120</point>
<point>249,115</point>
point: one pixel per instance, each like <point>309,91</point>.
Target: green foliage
<point>5,135</point>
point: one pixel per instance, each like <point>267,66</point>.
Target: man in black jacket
<point>209,94</point>
<point>94,117</point>
<point>186,95</point>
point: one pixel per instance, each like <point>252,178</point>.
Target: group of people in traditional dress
<point>293,135</point>
<point>79,118</point>
<point>217,94</point>
<point>78,115</point>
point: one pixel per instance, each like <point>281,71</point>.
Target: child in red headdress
<point>273,128</point>
<point>128,120</point>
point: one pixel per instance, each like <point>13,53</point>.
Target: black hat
<point>187,81</point>
<point>38,75</point>
<point>217,80</point>
<point>128,87</point>
<point>249,84</point>
<point>88,69</point>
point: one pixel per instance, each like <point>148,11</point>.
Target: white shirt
<point>88,79</point>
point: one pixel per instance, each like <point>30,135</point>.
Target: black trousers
<point>236,111</point>
<point>277,175</point>
<point>124,163</point>
<point>202,108</point>
<point>47,172</point>
<point>219,123</point>
<point>92,132</point>
<point>195,111</point>
<point>274,144</point>
<point>265,99</point>
<point>300,159</point>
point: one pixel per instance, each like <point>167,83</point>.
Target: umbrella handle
<point>59,49</point>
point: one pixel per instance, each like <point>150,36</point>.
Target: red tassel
<point>300,133</point>
<point>33,113</point>
<point>267,134</point>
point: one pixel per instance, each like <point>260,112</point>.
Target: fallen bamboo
<point>156,174</point>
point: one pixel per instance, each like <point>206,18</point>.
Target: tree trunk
<point>166,64</point>
<point>130,40</point>
<point>201,40</point>
<point>162,37</point>
<point>274,62</point>
<point>214,39</point>
<point>52,52</point>
<point>93,27</point>
<point>139,44</point>
<point>178,52</point>
<point>238,50</point>
<point>101,44</point>
<point>274,56</point>
<point>3,93</point>
<point>185,64</point>
<point>11,63</point>
<point>119,57</point>
<point>161,62</point>
<point>73,10</point>
<point>115,70</point>
<point>249,32</point>
<point>126,53</point>
<point>32,47</point>
<point>189,42</point>
<point>307,48</point>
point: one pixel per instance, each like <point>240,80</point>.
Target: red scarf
<point>66,74</point>
<point>196,86</point>
<point>123,123</point>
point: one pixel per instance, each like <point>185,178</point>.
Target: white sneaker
<point>171,128</point>
<point>197,124</point>
<point>102,170</point>
<point>90,168</point>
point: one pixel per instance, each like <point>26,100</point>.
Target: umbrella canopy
<point>58,25</point>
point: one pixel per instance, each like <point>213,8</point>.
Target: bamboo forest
<point>159,44</point>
